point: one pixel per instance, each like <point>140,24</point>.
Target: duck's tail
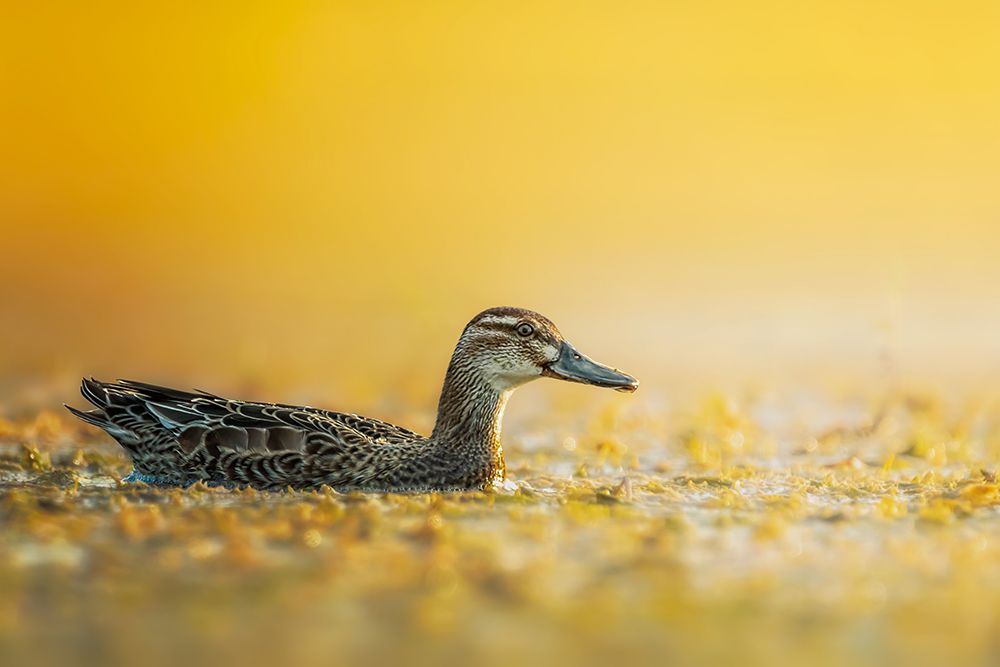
<point>125,418</point>
<point>98,394</point>
<point>93,417</point>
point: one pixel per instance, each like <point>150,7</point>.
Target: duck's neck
<point>469,417</point>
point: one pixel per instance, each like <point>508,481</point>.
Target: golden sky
<point>707,183</point>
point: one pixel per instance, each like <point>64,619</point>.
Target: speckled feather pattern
<point>177,438</point>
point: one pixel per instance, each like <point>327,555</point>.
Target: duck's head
<point>512,346</point>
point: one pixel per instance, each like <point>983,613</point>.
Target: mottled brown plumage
<point>178,438</point>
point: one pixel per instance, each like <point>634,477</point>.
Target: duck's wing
<point>184,436</point>
<point>177,408</point>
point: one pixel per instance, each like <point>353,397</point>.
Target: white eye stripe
<point>494,319</point>
<point>505,325</point>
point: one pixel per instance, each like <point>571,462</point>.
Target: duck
<point>179,438</point>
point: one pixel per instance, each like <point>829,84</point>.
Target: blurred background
<point>783,217</point>
<point>318,195</point>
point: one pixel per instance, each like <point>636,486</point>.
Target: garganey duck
<point>179,438</point>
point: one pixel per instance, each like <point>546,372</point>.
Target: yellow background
<point>280,192</point>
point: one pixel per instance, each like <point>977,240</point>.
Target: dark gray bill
<point>575,367</point>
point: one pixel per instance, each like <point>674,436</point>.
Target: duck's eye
<point>524,329</point>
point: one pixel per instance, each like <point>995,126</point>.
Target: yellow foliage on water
<point>704,533</point>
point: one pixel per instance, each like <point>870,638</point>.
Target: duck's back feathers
<point>180,437</point>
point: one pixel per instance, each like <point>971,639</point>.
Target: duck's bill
<point>575,367</point>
